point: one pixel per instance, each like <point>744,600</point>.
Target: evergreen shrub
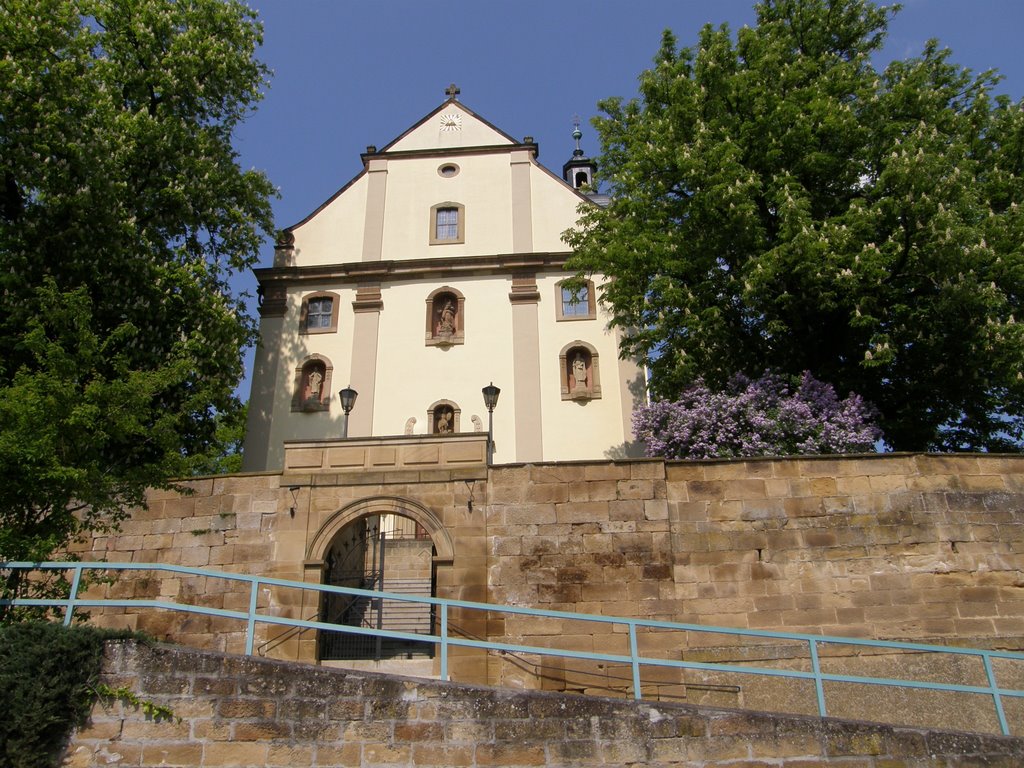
<point>48,679</point>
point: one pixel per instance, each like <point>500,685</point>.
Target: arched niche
<point>446,317</point>
<point>312,386</point>
<point>444,418</point>
<point>580,371</point>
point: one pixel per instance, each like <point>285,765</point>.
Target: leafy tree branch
<point>124,215</point>
<point>780,203</point>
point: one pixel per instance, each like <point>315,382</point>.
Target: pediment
<point>451,125</point>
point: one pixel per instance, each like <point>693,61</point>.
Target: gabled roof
<point>473,133</point>
<point>466,129</point>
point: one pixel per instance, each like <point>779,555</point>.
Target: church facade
<point>437,271</point>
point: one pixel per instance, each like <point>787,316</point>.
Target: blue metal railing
<point>446,641</point>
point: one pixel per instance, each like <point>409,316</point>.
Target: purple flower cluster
<point>761,417</point>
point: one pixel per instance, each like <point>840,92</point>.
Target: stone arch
<point>349,551</point>
<point>381,505</point>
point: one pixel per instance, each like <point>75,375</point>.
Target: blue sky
<point>348,74</point>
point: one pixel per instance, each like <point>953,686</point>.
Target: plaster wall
<point>335,233</point>
<point>555,208</point>
<point>427,134</point>
<point>411,376</point>
<point>483,186</point>
<point>371,243</point>
<point>578,429</point>
<point>293,348</point>
<point>405,365</point>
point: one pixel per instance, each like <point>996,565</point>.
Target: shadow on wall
<point>633,449</point>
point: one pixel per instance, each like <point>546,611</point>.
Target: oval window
<point>448,170</point>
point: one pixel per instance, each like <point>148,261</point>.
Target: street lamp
<point>348,401</point>
<point>491,393</point>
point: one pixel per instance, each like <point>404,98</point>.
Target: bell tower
<point>579,171</point>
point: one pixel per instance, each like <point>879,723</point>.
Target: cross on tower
<point>452,91</point>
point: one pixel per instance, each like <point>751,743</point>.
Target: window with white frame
<point>447,223</point>
<point>575,303</point>
<point>319,313</point>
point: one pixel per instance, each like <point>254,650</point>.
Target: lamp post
<point>491,393</point>
<point>348,401</point>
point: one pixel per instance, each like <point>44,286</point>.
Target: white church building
<point>433,273</point>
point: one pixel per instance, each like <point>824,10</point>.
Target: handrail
<point>444,639</point>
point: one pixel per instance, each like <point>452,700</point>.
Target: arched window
<point>579,304</point>
<point>446,317</point>
<point>580,373</point>
<point>443,417</point>
<point>313,385</point>
<point>319,313</point>
<point>447,223</point>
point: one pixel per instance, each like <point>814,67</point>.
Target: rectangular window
<point>447,224</point>
<point>318,313</point>
<point>576,303</point>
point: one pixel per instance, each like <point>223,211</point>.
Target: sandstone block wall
<point>922,548</point>
<point>919,547</point>
<point>886,546</point>
<point>248,712</point>
<point>221,523</point>
<point>273,525</point>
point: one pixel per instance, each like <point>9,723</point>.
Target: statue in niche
<point>579,372</point>
<point>444,421</point>
<point>316,380</point>
<point>446,319</point>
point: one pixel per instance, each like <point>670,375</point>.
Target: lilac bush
<point>761,417</point>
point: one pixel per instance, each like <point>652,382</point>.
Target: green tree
<point>224,454</point>
<point>778,202</point>
<point>123,213</point>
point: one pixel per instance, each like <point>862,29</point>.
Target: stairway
<point>395,615</point>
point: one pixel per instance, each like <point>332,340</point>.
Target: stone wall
<point>919,547</point>
<point>240,711</point>
<point>887,546</point>
<point>914,547</point>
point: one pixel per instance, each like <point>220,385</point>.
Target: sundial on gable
<point>451,121</point>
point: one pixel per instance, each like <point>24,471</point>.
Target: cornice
<point>413,269</point>
<point>484,149</point>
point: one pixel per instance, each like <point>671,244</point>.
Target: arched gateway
<point>386,544</point>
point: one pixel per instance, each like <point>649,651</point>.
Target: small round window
<point>448,170</point>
